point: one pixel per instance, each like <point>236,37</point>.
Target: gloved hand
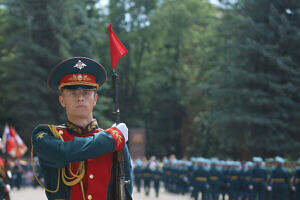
<point>123,128</point>
<point>269,188</point>
<point>251,187</point>
<point>7,188</point>
<point>293,188</point>
<point>185,179</point>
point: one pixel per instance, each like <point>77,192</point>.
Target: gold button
<point>90,197</point>
<point>91,176</point>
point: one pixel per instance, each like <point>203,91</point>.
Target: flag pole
<point>117,50</point>
<point>118,156</point>
<point>6,193</point>
<point>115,80</point>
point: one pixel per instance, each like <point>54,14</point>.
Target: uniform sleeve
<point>128,173</point>
<point>287,177</point>
<point>265,175</point>
<point>54,152</point>
<point>2,187</point>
<point>270,178</point>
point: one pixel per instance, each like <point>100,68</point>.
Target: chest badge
<point>41,135</point>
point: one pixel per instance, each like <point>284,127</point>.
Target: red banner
<point>117,49</point>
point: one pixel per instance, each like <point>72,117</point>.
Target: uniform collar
<point>73,128</point>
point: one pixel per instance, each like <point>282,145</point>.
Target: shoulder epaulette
<point>44,124</point>
<point>62,126</point>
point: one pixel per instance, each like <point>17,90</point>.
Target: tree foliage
<point>201,79</point>
<point>38,35</point>
<point>256,90</point>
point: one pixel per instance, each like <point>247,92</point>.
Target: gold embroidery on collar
<point>74,128</point>
<point>92,126</point>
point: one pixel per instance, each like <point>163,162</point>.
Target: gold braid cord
<point>67,180</point>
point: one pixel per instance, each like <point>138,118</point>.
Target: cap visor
<point>79,87</point>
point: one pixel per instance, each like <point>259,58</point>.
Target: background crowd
<point>211,179</point>
<point>197,177</point>
<point>20,173</point>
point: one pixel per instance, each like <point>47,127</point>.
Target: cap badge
<point>79,77</point>
<point>79,65</point>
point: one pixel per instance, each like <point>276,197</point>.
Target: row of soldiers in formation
<point>214,179</point>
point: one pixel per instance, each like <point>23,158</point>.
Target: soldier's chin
<point>81,113</point>
<point>81,106</point>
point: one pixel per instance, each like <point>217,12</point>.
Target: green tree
<point>178,31</point>
<point>129,19</point>
<point>256,91</point>
<point>38,35</point>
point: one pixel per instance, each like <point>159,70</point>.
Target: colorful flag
<point>13,142</point>
<point>117,49</point>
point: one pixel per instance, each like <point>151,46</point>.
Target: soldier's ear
<point>96,98</point>
<point>61,101</point>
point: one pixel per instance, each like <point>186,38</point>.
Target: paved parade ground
<point>30,193</point>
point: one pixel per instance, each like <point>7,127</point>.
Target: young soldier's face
<point>78,103</point>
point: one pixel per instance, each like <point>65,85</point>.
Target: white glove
<point>185,179</point>
<point>9,175</point>
<point>293,188</point>
<point>269,188</point>
<point>8,188</point>
<point>123,128</point>
<point>251,187</point>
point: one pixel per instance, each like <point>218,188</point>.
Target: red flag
<point>13,142</point>
<point>8,140</point>
<point>117,49</point>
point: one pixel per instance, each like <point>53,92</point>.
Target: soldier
<point>76,158</point>
<point>185,176</point>
<point>296,182</point>
<point>174,176</point>
<point>224,180</point>
<point>269,166</point>
<point>258,179</point>
<point>138,174</point>
<point>147,178</point>
<point>247,189</point>
<point>166,174</point>
<point>17,173</point>
<point>289,166</point>
<point>214,179</point>
<point>234,180</point>
<point>156,177</point>
<point>278,181</point>
<point>243,185</point>
<point>200,180</point>
<point>191,168</point>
